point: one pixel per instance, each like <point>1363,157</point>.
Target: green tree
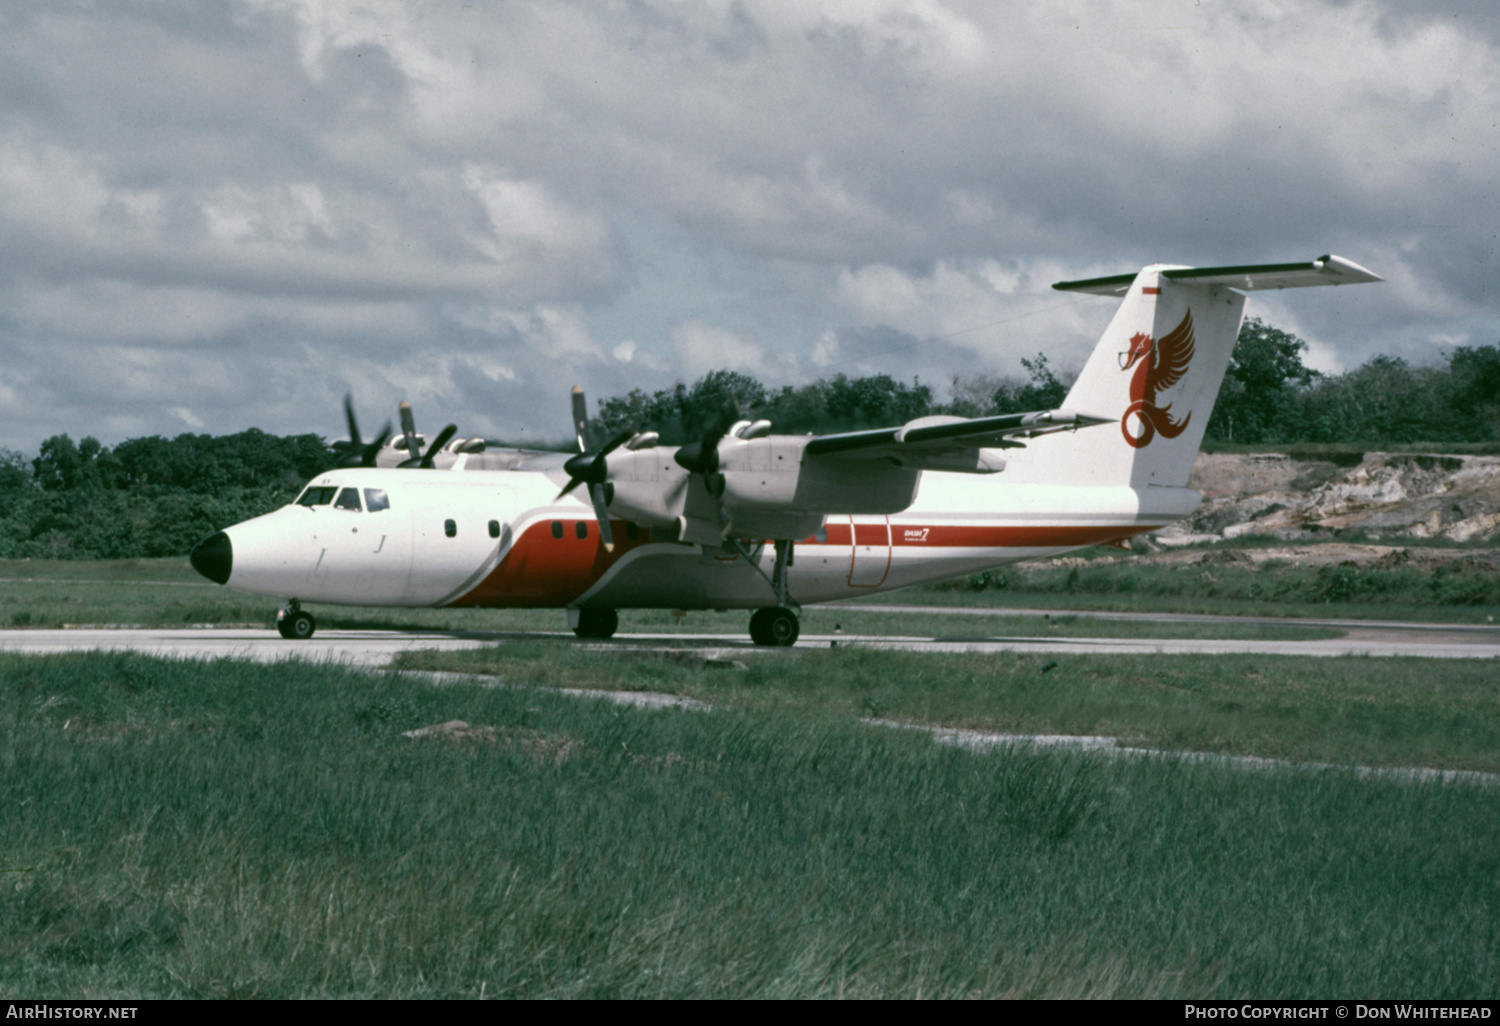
<point>1475,380</point>
<point>875,401</point>
<point>1258,398</point>
<point>1044,391</point>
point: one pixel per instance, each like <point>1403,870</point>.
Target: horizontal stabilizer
<point>1326,270</point>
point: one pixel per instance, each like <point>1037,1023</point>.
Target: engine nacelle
<point>770,488</point>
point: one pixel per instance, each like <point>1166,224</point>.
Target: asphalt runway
<point>374,648</point>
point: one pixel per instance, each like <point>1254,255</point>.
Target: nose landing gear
<point>295,623</point>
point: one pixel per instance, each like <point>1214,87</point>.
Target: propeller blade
<point>685,414</point>
<point>617,441</point>
<point>409,429</point>
<point>437,446</point>
<point>601,514</point>
<point>367,457</point>
<point>580,418</point>
<point>353,424</point>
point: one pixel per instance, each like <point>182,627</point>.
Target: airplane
<point>742,518</point>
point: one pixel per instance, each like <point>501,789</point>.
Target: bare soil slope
<point>1387,497</point>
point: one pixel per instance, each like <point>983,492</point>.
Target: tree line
<point>157,496</point>
<point>146,497</point>
<point>1269,396</point>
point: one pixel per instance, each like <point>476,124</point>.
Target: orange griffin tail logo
<point>1158,366</point>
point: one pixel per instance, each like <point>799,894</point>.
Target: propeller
<point>702,455</point>
<point>356,453</point>
<point>591,468</point>
<point>415,457</point>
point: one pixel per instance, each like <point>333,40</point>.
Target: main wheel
<point>597,623</point>
<point>775,626</point>
<point>298,626</point>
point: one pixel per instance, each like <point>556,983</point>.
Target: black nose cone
<point>213,557</point>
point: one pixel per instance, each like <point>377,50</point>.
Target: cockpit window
<point>376,500</point>
<point>348,499</point>
<point>319,496</point>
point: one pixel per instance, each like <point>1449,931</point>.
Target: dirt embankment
<point>1386,497</point>
<point>1316,504</point>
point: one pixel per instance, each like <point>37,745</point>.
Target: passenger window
<point>582,527</point>
<point>348,499</point>
<point>494,528</point>
<point>316,497</point>
<point>557,528</point>
<point>450,528</point>
<point>376,500</point>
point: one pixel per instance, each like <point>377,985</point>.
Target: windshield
<point>316,497</point>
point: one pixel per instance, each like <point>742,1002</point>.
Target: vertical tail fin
<point>1158,367</point>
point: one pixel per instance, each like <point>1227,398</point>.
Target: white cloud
<point>700,348</point>
<point>452,199</point>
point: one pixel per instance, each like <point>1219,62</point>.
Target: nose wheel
<point>775,626</point>
<point>295,623</point>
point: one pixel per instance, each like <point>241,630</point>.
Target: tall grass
<point>1363,711</point>
<point>179,829</point>
<point>1464,591</point>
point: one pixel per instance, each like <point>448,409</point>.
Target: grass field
<point>57,593</point>
<point>1465,591</point>
<point>1349,711</point>
<point>237,830</point>
<point>54,593</point>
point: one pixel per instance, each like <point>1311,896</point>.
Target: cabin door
<point>870,559</point>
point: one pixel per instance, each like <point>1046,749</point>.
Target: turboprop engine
<point>762,487</point>
<point>740,481</point>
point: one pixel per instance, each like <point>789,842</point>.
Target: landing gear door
<point>870,559</point>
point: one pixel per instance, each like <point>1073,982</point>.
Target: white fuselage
<point>933,499</point>
<point>503,539</point>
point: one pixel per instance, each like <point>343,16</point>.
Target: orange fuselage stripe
<point>543,571</point>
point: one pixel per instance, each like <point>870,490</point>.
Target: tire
<point>775,627</point>
<point>597,624</point>
<point>298,626</point>
<point>758,633</point>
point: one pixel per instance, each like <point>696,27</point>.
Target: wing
<point>949,443</point>
<point>1174,351</point>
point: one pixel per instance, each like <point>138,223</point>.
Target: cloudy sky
<point>217,215</point>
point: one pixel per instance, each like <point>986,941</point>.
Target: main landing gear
<point>594,624</point>
<point>295,623</point>
<point>776,625</point>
